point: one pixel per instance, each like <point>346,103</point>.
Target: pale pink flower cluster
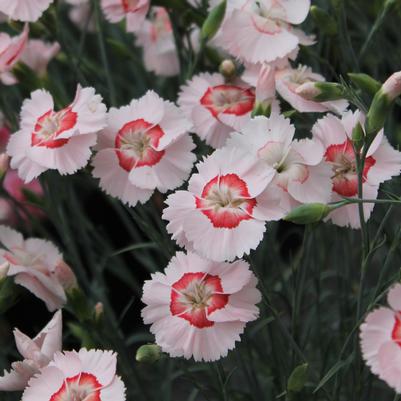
<point>47,374</point>
<point>38,266</point>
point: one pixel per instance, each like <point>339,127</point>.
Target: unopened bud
<point>365,82</point>
<point>382,102</point>
<point>358,136</point>
<point>321,91</point>
<point>262,109</point>
<point>266,84</point>
<point>392,87</point>
<point>323,20</point>
<point>213,21</point>
<point>65,275</point>
<point>4,164</point>
<point>99,310</point>
<point>308,213</point>
<point>227,68</point>
<point>148,353</point>
<point>4,268</point>
<point>297,379</point>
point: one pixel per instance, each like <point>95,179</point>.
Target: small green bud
<point>227,69</point>
<point>297,379</point>
<point>148,353</point>
<point>213,21</point>
<point>358,136</point>
<point>365,82</point>
<point>321,91</point>
<point>382,103</point>
<point>262,109</point>
<point>308,213</point>
<point>324,21</point>
<point>378,112</point>
<point>78,302</point>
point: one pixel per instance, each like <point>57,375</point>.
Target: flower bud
<point>4,268</point>
<point>358,136</point>
<point>266,84</point>
<point>324,21</point>
<point>148,353</point>
<point>365,82</point>
<point>213,21</point>
<point>382,103</point>
<point>297,379</point>
<point>227,68</point>
<point>262,109</point>
<point>308,213</point>
<point>392,87</point>
<point>4,164</point>
<point>65,275</point>
<point>99,310</point>
<point>321,91</point>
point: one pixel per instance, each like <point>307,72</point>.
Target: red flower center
<point>49,126</point>
<point>82,387</point>
<point>195,296</point>
<point>135,144</point>
<point>345,177</point>
<point>130,6</point>
<point>396,333</point>
<point>226,201</point>
<point>228,99</point>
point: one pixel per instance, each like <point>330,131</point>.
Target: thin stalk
<point>103,53</point>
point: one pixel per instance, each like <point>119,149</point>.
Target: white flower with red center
<point>156,39</point>
<point>24,10</point>
<point>300,174</point>
<point>146,146</point>
<point>77,376</point>
<point>223,213</point>
<point>134,11</point>
<point>382,162</point>
<point>11,50</point>
<point>204,304</point>
<point>38,54</point>
<point>37,353</point>
<point>38,266</point>
<point>288,80</point>
<point>59,140</point>
<point>216,107</point>
<point>260,31</point>
<point>380,337</point>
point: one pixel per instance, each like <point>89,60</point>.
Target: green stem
<point>103,53</point>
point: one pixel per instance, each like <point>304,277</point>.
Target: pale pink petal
<point>24,10</point>
<point>316,187</point>
<point>114,180</point>
<point>390,365</point>
<point>374,332</point>
<point>17,378</point>
<point>394,297</point>
<point>101,364</point>
<point>41,387</point>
